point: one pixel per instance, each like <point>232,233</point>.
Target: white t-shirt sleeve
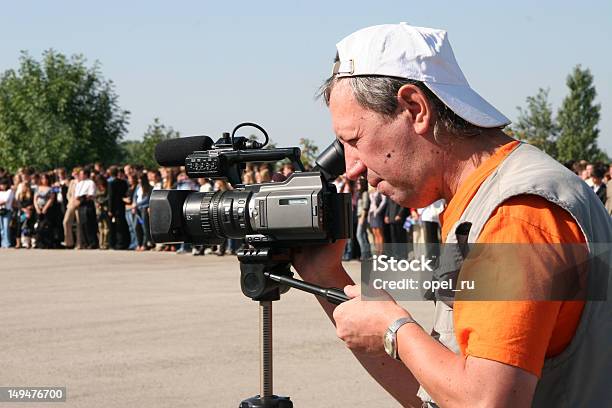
<point>7,196</point>
<point>85,188</point>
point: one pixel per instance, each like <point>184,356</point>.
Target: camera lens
<point>214,216</point>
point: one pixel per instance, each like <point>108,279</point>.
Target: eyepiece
<point>331,162</point>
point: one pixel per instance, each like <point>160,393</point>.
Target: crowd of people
<point>94,207</point>
<point>97,207</point>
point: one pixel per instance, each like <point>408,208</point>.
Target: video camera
<point>271,218</point>
<point>305,208</point>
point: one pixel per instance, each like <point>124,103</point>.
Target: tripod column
<point>265,346</point>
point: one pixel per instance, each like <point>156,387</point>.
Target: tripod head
<point>255,264</point>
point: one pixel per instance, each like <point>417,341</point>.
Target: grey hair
<point>379,93</point>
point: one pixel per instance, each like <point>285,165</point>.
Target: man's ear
<point>413,101</point>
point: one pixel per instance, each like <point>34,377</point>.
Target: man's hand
<point>314,261</point>
<point>362,324</point>
<point>322,265</point>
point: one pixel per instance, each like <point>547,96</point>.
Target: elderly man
<point>408,119</point>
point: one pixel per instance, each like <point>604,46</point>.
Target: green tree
<point>578,118</point>
<point>309,152</point>
<point>536,125</point>
<point>58,112</point>
<point>142,152</point>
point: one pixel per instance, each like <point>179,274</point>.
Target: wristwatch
<point>390,338</point>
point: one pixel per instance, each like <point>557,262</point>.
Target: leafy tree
<point>578,118</point>
<point>58,112</point>
<point>536,125</point>
<point>309,152</point>
<point>142,152</point>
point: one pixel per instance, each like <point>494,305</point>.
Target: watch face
<point>388,342</point>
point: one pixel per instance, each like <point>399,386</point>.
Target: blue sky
<point>202,67</point>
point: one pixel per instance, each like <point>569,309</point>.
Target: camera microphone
<point>172,152</point>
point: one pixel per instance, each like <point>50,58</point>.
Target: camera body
<point>303,209</point>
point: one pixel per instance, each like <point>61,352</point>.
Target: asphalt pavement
<point>128,329</point>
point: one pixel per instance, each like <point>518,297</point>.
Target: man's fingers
<point>352,291</point>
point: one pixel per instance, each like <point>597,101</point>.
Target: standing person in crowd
<point>47,214</point>
<point>14,224</point>
<point>395,216</point>
<point>287,170</point>
<point>205,187</point>
<point>222,185</point>
<point>168,177</point>
<point>248,177</point>
<point>62,182</point>
<point>103,211</point>
<point>609,192</point>
<point>588,173</point>
<point>430,223</point>
<point>129,170</point>
<point>376,216</point>
<point>185,183</point>
<point>6,210</point>
<point>263,174</point>
<point>155,179</point>
<point>131,215</point>
<point>98,169</point>
<point>71,215</point>
<point>363,206</point>
<point>142,193</point>
<point>598,185</point>
<point>85,193</point>
<point>24,200</point>
<point>349,188</point>
<point>117,190</point>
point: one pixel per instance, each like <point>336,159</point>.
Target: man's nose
<point>354,166</point>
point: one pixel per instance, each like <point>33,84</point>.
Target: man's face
<point>399,162</point>
<point>589,170</point>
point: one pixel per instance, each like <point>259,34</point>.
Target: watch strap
<point>392,330</point>
<point>395,326</point>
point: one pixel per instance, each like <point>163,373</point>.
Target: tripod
<point>264,275</point>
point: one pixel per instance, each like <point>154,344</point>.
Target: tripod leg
<point>266,398</point>
<point>265,346</point>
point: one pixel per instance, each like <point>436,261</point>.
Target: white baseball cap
<point>417,53</point>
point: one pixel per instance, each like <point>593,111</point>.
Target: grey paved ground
<point>124,329</point>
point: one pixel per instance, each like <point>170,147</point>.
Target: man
<point>7,195</point>
<point>598,185</point>
<point>117,190</point>
<point>71,214</point>
<point>395,216</point>
<point>588,174</point>
<point>406,115</point>
<point>85,193</point>
<point>609,192</point>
